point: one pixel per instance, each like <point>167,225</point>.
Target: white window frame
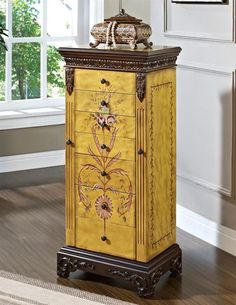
<point>43,111</point>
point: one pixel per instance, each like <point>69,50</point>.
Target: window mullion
<point>43,59</point>
<point>8,75</point>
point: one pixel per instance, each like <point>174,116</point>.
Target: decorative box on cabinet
<point>120,164</point>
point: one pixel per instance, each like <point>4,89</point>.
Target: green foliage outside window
<point>26,56</point>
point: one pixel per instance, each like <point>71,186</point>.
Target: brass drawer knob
<point>68,142</point>
<point>104,103</point>
<point>104,82</point>
<point>103,238</point>
<point>103,173</point>
<point>140,151</point>
<point>103,146</point>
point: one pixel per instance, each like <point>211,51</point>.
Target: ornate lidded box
<point>121,29</point>
<point>121,164</point>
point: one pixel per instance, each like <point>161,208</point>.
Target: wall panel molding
<point>228,192</point>
<point>203,183</point>
<point>32,161</point>
<point>199,36</point>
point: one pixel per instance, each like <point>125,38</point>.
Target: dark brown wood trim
<point>121,60</point>
<point>144,276</point>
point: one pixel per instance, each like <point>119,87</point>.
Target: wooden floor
<point>32,231</point>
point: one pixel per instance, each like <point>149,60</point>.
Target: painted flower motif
<point>103,206</point>
<point>111,120</point>
<point>101,120</point>
<point>105,120</point>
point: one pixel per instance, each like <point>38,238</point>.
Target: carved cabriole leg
<point>95,44</point>
<point>147,44</point>
<point>133,44</point>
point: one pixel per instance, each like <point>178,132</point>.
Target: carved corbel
<point>141,85</point>
<point>70,78</point>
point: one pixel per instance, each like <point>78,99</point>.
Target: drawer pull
<point>140,151</point>
<point>103,173</point>
<point>103,146</point>
<point>104,82</point>
<point>68,142</point>
<point>104,103</point>
<point>103,238</point>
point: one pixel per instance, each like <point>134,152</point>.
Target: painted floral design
<point>104,167</point>
<point>104,206</point>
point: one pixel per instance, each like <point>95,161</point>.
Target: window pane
<point>55,66</point>
<point>25,71</point>
<point>2,51</point>
<point>62,20</point>
<point>25,18</point>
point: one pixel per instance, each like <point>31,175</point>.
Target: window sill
<point>32,117</point>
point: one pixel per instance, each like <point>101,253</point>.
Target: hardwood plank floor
<point>32,231</point>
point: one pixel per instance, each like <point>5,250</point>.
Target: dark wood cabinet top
<point>121,59</point>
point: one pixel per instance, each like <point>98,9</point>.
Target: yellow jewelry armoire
<point>121,164</point>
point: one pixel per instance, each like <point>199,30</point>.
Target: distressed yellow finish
<point>86,120</point>
<point>142,187</point>
<point>119,218</point>
<point>161,161</point>
<point>70,172</point>
<point>119,82</point>
<point>121,239</point>
<point>119,183</point>
<point>123,145</point>
<point>119,104</point>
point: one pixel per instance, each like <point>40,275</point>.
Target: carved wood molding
<point>70,78</point>
<point>145,284</point>
<point>121,65</point>
<point>141,86</point>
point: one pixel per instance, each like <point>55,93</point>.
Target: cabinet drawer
<point>105,102</point>
<point>89,122</point>
<point>118,82</point>
<point>111,174</point>
<point>120,240</point>
<point>122,205</point>
<point>121,148</point>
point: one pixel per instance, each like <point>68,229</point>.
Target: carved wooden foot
<point>95,44</point>
<point>133,44</point>
<point>144,276</point>
<point>147,44</point>
<point>176,265</point>
<point>66,265</point>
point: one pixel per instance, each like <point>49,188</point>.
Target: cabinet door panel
<point>122,148</point>
<point>117,82</point>
<point>88,122</point>
<point>94,172</point>
<point>118,104</point>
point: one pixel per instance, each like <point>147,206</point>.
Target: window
<point>31,71</point>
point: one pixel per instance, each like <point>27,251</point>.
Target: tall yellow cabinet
<point>121,164</point>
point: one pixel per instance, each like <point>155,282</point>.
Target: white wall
<point>137,8</point>
<point>206,110</point>
<point>205,115</point>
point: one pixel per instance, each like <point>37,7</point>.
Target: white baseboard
<point>207,230</point>
<point>32,161</point>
